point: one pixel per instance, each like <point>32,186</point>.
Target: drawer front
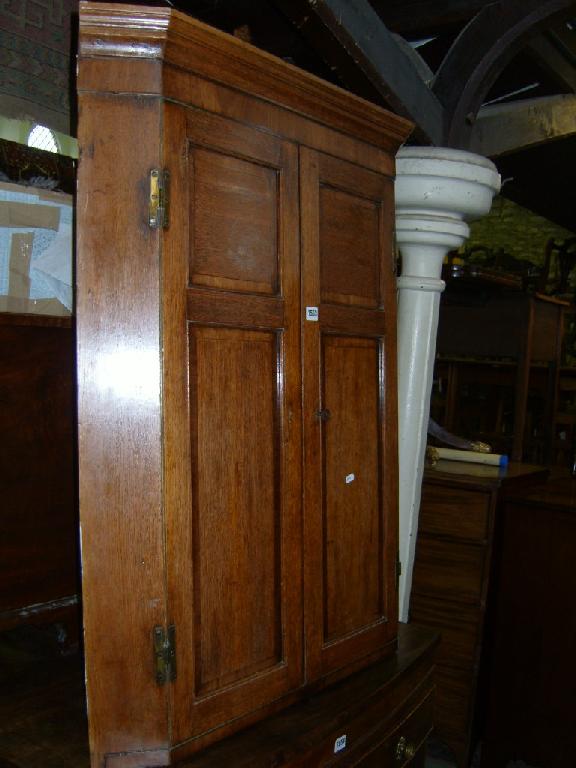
<point>455,512</point>
<point>402,746</point>
<point>450,570</point>
<point>460,627</point>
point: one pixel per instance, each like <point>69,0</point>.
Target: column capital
<point>440,181</point>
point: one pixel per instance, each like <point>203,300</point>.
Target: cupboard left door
<point>232,418</point>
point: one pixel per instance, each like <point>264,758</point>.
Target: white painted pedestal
<point>436,191</point>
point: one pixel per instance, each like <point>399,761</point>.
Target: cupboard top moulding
<point>163,52</point>
<point>237,453</point>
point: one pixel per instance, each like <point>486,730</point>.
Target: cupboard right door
<point>350,413</point>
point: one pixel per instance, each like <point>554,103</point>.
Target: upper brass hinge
<point>159,199</point>
<point>398,570</point>
<point>165,654</point>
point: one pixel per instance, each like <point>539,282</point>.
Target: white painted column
<point>436,190</point>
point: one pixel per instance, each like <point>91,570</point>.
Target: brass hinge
<point>398,570</point>
<point>159,199</point>
<point>165,654</point>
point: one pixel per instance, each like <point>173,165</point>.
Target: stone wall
<point>519,232</point>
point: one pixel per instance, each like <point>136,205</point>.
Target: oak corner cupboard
<point>237,384</point>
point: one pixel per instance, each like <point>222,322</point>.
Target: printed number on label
<point>312,314</point>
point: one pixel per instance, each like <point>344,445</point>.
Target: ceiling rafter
<point>552,58</point>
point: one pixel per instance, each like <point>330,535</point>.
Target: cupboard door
<point>232,419</point>
<point>350,465</point>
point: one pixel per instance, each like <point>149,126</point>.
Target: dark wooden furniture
<point>457,525</point>
<point>42,702</point>
<point>531,701</point>
<point>507,343</point>
<point>565,420</point>
<point>385,712</point>
<point>39,579</point>
<point>237,387</point>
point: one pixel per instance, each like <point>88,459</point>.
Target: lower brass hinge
<point>165,654</point>
<point>159,199</point>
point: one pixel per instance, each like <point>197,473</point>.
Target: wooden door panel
<point>352,232</point>
<point>236,185</point>
<point>235,477</point>
<point>350,465</point>
<point>349,257</point>
<point>234,563</point>
<point>233,214</point>
<point>352,521</point>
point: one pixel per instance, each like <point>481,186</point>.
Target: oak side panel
<point>119,415</point>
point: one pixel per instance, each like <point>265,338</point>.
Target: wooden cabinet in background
<point>499,354</point>
<point>457,533</point>
<point>237,383</point>
<point>39,573</point>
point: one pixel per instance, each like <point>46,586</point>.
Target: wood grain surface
<point>199,375</point>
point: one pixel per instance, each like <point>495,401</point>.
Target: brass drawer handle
<point>404,749</point>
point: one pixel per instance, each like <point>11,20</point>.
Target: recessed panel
<point>233,223</point>
<point>235,476</point>
<point>352,508</point>
<point>349,248</point>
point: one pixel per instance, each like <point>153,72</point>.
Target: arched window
<point>42,137</point>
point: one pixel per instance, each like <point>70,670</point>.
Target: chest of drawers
<point>457,532</point>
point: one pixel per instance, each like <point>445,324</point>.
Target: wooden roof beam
<point>426,17</point>
<point>504,128</point>
<point>356,29</point>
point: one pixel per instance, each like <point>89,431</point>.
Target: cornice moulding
<point>140,33</point>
